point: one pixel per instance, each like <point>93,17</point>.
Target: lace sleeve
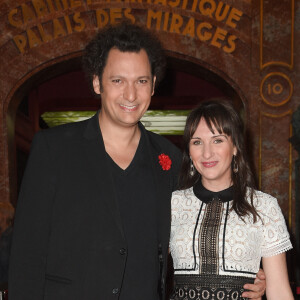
<point>276,238</point>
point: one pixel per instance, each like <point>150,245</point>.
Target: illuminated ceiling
<point>164,122</point>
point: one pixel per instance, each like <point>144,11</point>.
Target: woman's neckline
<point>207,196</point>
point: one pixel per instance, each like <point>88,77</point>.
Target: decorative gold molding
<point>272,116</point>
<point>290,178</point>
<point>283,101</point>
<point>277,63</point>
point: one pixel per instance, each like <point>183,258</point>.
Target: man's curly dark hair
<point>125,37</point>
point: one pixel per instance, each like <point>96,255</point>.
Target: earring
<point>235,165</point>
<point>192,169</point>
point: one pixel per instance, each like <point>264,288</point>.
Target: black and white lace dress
<point>214,252</point>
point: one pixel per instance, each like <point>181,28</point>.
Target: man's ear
<point>96,85</point>
<point>153,85</point>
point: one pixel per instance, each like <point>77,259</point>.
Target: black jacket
<point>68,237</point>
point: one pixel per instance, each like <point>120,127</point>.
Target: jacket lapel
<point>163,184</point>
<point>102,177</point>
<point>97,160</point>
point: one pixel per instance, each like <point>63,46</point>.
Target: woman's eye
<point>218,141</point>
<point>196,142</point>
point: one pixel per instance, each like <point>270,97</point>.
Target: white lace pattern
<point>240,244</point>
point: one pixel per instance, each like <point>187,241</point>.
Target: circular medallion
<point>276,89</point>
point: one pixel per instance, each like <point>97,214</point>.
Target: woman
<point>221,226</point>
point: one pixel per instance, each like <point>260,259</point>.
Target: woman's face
<point>212,154</point>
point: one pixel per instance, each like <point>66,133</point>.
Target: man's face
<point>126,87</point>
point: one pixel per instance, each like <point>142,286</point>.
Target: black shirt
<point>135,193</point>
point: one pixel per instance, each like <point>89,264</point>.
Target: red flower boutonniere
<point>165,161</point>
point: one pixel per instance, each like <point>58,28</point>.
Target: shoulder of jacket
<point>163,142</point>
<point>64,131</point>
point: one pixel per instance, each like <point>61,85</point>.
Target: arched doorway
<point>252,48</point>
<point>62,87</point>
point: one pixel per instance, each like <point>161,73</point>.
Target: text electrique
<point>170,22</point>
<point>40,8</point>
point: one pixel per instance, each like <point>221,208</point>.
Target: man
<point>93,216</point>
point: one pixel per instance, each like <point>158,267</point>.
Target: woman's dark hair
<point>125,37</point>
<point>220,114</point>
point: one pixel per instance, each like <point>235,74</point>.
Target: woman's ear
<point>234,151</point>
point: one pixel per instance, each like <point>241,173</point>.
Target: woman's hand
<point>256,290</point>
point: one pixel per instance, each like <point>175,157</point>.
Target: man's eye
<point>116,80</point>
<point>143,81</point>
